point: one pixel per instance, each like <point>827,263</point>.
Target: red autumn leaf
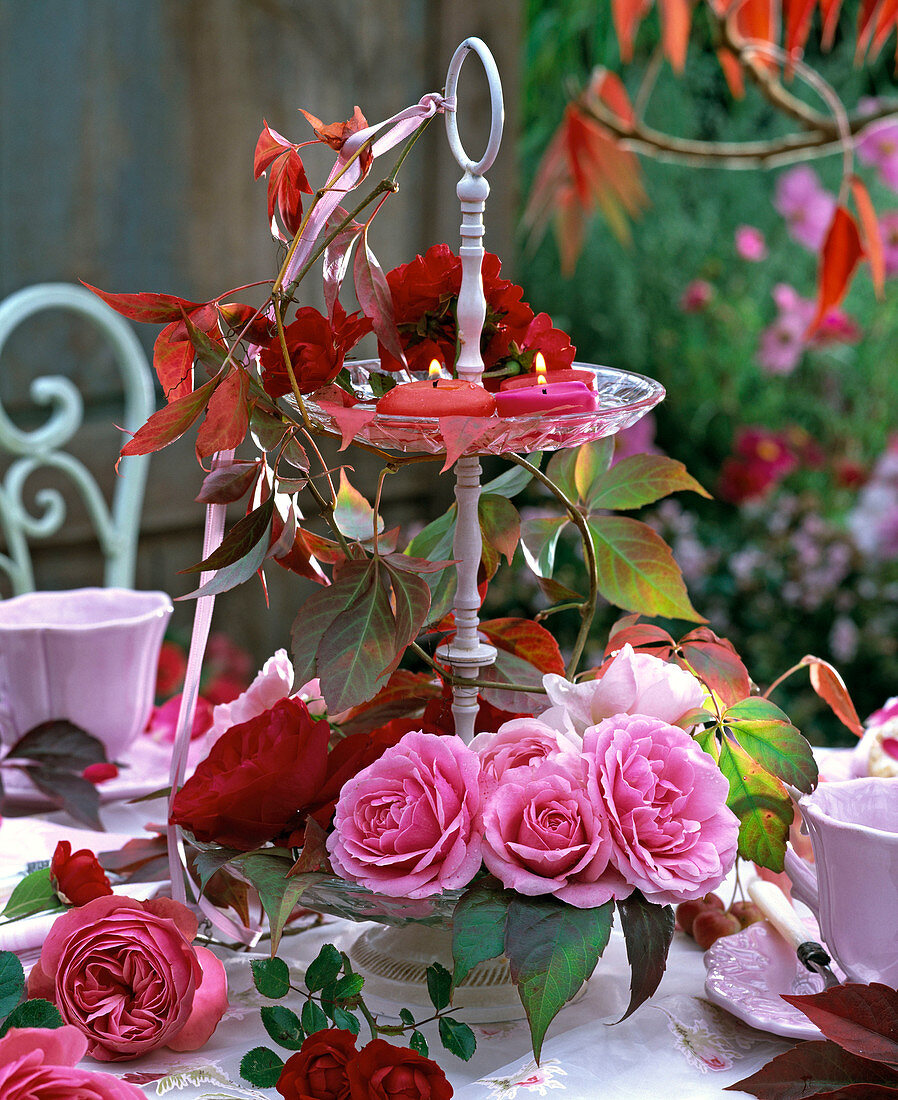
<point>867,22</point>
<point>350,421</point>
<point>862,1019</point>
<point>173,362</point>
<point>885,24</point>
<point>819,1069</point>
<point>171,422</point>
<point>269,147</point>
<point>151,308</point>
<point>373,293</point>
<point>228,483</point>
<point>608,87</point>
<point>525,639</point>
<point>335,134</point>
<point>872,238</point>
<point>717,663</point>
<point>842,251</point>
<point>830,686</point>
<point>676,18</point>
<point>460,435</point>
<point>405,693</point>
<point>287,181</point>
<point>627,15</point>
<point>227,416</point>
<point>732,72</point>
<point>300,558</point>
<point>829,14</point>
<point>799,14</point>
<point>643,636</point>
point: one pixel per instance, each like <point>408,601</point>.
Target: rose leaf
<point>261,1067</point>
<point>12,982</point>
<point>283,1026</point>
<point>32,1013</point>
<point>439,985</point>
<point>648,930</point>
<point>457,1038</point>
<point>271,977</point>
<point>478,928</point>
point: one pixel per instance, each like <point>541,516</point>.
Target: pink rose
<point>518,744</point>
<point>271,685</point>
<point>42,1062</point>
<point>544,835</point>
<point>631,683</point>
<point>750,243</point>
<point>672,834</point>
<point>409,824</point>
<point>125,973</point>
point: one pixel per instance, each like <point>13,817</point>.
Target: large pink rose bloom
<point>38,1063</point>
<point>125,973</point>
<point>409,824</point>
<point>519,744</point>
<point>544,835</point>
<point>632,683</point>
<point>672,834</point>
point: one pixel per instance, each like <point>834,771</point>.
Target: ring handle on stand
<point>497,106</point>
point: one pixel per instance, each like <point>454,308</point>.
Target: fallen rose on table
<point>40,1062</point>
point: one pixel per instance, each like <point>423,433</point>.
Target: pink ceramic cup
<point>88,655</point>
<point>852,888</point>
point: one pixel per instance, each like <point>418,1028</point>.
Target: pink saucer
<point>747,972</point>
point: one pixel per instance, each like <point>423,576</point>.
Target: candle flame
<point>539,364</point>
<point>540,379</point>
<point>435,369</point>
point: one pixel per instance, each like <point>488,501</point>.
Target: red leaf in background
<point>169,423</point>
<point>716,661</point>
<point>830,686</point>
<point>870,230</point>
<point>349,420</point>
<point>676,19</point>
<point>627,15</point>
<point>732,71</point>
<point>335,134</point>
<point>607,86</point>
<point>286,179</point>
<point>842,250</point>
<point>829,13</point>
<point>643,636</point>
<point>173,362</point>
<point>151,308</point>
<point>269,147</point>
<point>862,1019</point>
<point>527,640</point>
<point>227,416</point>
<point>819,1069</point>
<point>799,14</point>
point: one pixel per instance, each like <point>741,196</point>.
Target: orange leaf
<point>676,18</point>
<point>829,13</point>
<point>227,416</point>
<point>798,22</point>
<point>627,15</point>
<point>759,19</point>
<point>830,686</point>
<point>733,73</point>
<point>866,25</point>
<point>608,87</point>
<point>871,235</point>
<point>885,24</point>
<point>841,253</point>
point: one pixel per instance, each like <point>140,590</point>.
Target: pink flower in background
<point>873,521</point>
<point>542,834</point>
<point>672,834</point>
<point>38,1062</point>
<point>638,439</point>
<point>784,342</point>
<point>126,974</point>
<point>631,683</point>
<point>878,147</point>
<point>409,825</point>
<point>807,207</point>
<point>163,722</point>
<point>750,243</point>
<point>696,296</point>
<point>888,231</point>
<point>760,461</point>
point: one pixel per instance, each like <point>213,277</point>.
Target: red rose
<point>318,1071</point>
<point>382,1071</point>
<point>347,758</point>
<point>316,350</point>
<point>78,878</point>
<point>257,780</point>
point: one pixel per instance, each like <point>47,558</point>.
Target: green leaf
<point>35,1012</point>
<point>457,1038</point>
<point>349,986</point>
<point>411,599</point>
<point>639,480</point>
<point>282,1025</point>
<point>230,576</point>
<point>552,950</point>
<point>240,540</point>
<point>419,1043</point>
<point>32,895</point>
<point>648,931</point>
<point>406,1016</point>
<point>762,805</point>
<point>539,540</point>
<point>561,471</point>
<point>347,1020</point>
<point>591,461</point>
<point>514,480</point>
<point>324,968</point>
<point>319,611</point>
<point>439,985</point>
<point>208,862</point>
<point>271,977</point>
<point>353,515</point>
<point>279,895</point>
<point>637,570</point>
<point>500,524</point>
<point>261,1067</point>
<point>478,928</point>
<point>773,742</point>
<point>12,982</point>
<point>313,1018</point>
<point>59,744</point>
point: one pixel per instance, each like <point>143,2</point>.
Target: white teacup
<point>852,888</point>
<point>88,655</point>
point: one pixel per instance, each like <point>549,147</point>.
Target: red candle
<point>564,374</point>
<point>437,397</point>
<point>560,397</point>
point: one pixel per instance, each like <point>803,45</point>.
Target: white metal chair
<point>117,523</point>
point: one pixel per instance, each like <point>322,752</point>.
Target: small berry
<point>709,926</point>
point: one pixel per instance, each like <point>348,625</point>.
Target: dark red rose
<point>347,758</point>
<point>316,349</point>
<point>257,780</point>
<point>554,343</point>
<point>382,1071</point>
<point>77,877</point>
<point>318,1069</point>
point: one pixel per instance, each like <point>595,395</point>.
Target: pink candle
<point>437,397</point>
<point>558,397</point>
<point>535,378</point>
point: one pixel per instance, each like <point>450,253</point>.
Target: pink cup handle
<point>804,880</point>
